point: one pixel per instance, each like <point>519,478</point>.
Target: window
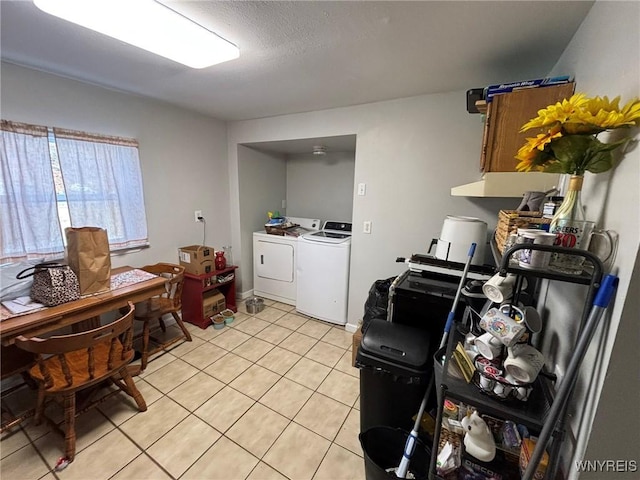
<point>53,178</point>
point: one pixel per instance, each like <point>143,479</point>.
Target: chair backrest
<point>84,357</point>
<point>174,275</point>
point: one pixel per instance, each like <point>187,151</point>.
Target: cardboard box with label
<point>528,446</point>
<point>197,259</point>
<point>213,303</point>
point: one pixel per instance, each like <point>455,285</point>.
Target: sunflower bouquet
<point>569,142</point>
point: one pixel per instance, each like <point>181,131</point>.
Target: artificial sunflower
<point>569,143</point>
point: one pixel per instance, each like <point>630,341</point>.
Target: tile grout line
<point>201,369</point>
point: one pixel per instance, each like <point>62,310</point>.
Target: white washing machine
<point>274,261</point>
<point>323,272</point>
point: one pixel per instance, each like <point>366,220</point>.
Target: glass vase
<point>571,228</point>
<point>571,207</point>
<point>228,254</point>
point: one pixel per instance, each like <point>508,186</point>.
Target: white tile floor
<point>271,396</point>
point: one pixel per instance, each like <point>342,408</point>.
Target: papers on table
<point>21,305</point>
<point>130,277</point>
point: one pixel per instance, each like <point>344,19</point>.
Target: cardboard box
<point>197,259</point>
<point>528,446</point>
<point>357,338</point>
<point>213,303</point>
<point>503,467</point>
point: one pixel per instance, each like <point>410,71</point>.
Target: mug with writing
<point>577,234</point>
<point>523,362</point>
<point>520,238</point>
<point>502,326</point>
<point>535,258</point>
<point>528,316</point>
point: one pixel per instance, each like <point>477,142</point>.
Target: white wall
<point>604,56</point>
<point>409,152</point>
<point>312,187</point>
<point>262,180</point>
<point>321,187</point>
<point>182,154</point>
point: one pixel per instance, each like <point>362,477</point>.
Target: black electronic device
<point>473,95</point>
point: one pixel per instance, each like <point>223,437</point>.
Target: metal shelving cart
<point>534,413</point>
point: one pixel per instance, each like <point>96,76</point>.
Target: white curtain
<point>28,208</point>
<point>103,183</point>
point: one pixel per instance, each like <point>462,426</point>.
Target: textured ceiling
<point>310,55</point>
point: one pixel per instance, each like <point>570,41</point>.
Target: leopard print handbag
<point>53,283</point>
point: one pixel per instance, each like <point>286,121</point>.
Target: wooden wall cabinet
<point>505,116</point>
<point>198,287</point>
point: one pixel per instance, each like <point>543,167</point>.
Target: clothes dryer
<point>274,261</point>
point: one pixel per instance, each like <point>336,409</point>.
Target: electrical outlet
<point>198,215</point>
<point>366,226</point>
<point>362,189</point>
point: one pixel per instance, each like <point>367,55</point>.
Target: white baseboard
<point>350,327</point>
<point>244,295</point>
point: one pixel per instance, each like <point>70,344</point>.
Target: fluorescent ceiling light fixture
<point>148,25</point>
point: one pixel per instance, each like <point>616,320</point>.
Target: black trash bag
<point>377,302</point>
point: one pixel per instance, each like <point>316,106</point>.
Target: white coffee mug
<point>488,346</point>
<point>486,382</point>
<point>513,311</point>
<point>521,392</point>
<point>499,289</point>
<point>536,258</point>
<point>529,316</point>
<point>501,388</point>
<point>532,319</point>
<point>520,238</point>
<point>523,362</point>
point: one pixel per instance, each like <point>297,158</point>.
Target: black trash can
<point>395,369</point>
<point>383,448</point>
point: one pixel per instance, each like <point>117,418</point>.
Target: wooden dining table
<point>127,285</point>
<point>85,310</point>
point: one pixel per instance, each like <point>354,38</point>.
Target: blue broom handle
<point>447,326</point>
<point>600,304</point>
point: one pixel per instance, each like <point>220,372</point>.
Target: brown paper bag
<point>89,257</point>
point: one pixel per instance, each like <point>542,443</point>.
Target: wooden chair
<point>155,308</point>
<point>69,364</point>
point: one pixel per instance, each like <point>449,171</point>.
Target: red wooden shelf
<point>196,288</point>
